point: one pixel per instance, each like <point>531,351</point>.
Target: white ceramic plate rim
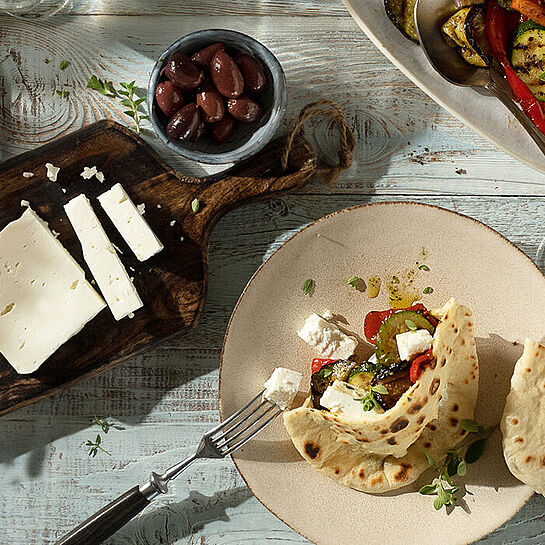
<point>417,81</point>
<point>530,493</point>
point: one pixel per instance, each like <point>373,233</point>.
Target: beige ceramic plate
<point>467,260</point>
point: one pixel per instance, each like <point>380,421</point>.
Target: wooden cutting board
<point>173,283</point>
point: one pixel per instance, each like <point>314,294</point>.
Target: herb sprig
<point>95,447</point>
<point>369,401</point>
<point>105,88</point>
<point>455,464</point>
<point>307,286</point>
<point>132,102</point>
<point>354,281</point>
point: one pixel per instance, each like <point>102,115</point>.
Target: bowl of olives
<point>216,96</point>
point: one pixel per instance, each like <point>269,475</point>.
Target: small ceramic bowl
<point>247,139</point>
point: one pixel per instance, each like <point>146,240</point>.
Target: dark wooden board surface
<point>172,284</point>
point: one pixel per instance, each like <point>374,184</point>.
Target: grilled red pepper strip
<point>418,365</point>
<point>318,363</point>
<point>496,29</point>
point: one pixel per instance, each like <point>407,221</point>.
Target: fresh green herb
<point>64,64</point>
<point>95,447</point>
<point>354,281</point>
<point>195,205</point>
<point>105,88</point>
<point>455,464</point>
<point>542,76</point>
<point>132,102</point>
<point>424,267</point>
<point>103,423</point>
<point>471,426</point>
<point>307,286</point>
<point>326,371</point>
<point>411,325</point>
<point>62,93</point>
<point>427,290</point>
<point>369,401</point>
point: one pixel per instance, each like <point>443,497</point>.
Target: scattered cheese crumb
<point>28,174</point>
<point>132,269</point>
<point>172,223</point>
<point>141,208</point>
<point>182,239</point>
<point>99,176</point>
<point>88,172</point>
<point>52,171</point>
<point>131,315</point>
<point>63,190</point>
<point>327,314</point>
<point>117,249</point>
<point>55,234</point>
<point>25,203</point>
<point>159,206</point>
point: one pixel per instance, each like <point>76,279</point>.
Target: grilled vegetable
<point>362,375</point>
<point>533,9</point>
<point>401,12</point>
<point>466,30</point>
<point>319,381</point>
<point>397,381</point>
<point>528,57</point>
<point>387,352</point>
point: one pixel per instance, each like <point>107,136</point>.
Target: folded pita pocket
<point>523,421</point>
<point>339,449</point>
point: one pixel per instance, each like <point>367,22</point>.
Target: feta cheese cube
<point>88,173</point>
<point>338,399</point>
<point>328,340</point>
<point>282,387</point>
<point>411,343</point>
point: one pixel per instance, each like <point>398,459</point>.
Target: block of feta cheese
<point>282,387</point>
<point>339,399</point>
<point>327,339</point>
<point>411,343</point>
<point>130,223</point>
<point>44,296</point>
<point>100,255</point>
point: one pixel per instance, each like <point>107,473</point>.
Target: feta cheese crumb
<point>282,387</point>
<point>338,400</point>
<point>181,239</point>
<point>172,223</point>
<point>159,206</point>
<point>327,314</point>
<point>28,174</point>
<point>141,208</point>
<point>63,190</point>
<point>25,203</point>
<point>411,343</point>
<point>99,176</point>
<point>55,234</point>
<point>52,171</point>
<point>130,315</point>
<point>88,172</point>
<point>328,340</point>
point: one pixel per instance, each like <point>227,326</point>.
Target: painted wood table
<point>161,402</point>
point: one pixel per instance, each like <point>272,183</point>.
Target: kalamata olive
<point>252,72</point>
<point>226,75</point>
<point>210,102</point>
<point>182,72</point>
<point>244,108</point>
<point>223,129</point>
<point>201,130</point>
<point>184,124</point>
<point>204,57</point>
<point>169,98</point>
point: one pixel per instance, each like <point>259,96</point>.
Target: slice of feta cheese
<point>328,340</point>
<point>52,171</point>
<point>341,400</point>
<point>282,387</point>
<point>28,174</point>
<point>44,296</point>
<point>102,259</point>
<point>130,223</point>
<point>411,343</point>
<point>88,172</point>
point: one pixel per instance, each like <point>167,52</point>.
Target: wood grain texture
<point>408,148</point>
<point>172,285</point>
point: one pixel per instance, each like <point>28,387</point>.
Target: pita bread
<point>523,421</point>
<point>326,444</point>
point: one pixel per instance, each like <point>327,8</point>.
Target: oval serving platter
<point>467,260</point>
<point>484,114</point>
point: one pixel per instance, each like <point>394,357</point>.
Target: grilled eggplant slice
<point>528,57</point>
<point>401,12</point>
<point>327,375</point>
<point>396,380</point>
<point>466,30</point>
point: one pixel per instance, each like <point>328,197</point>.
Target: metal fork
<point>224,439</point>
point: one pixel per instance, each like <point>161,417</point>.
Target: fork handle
<point>537,136</point>
<point>108,520</point>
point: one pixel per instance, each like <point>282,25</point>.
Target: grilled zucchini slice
<point>401,13</point>
<point>528,57</point>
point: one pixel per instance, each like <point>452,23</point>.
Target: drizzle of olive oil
<point>373,286</point>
